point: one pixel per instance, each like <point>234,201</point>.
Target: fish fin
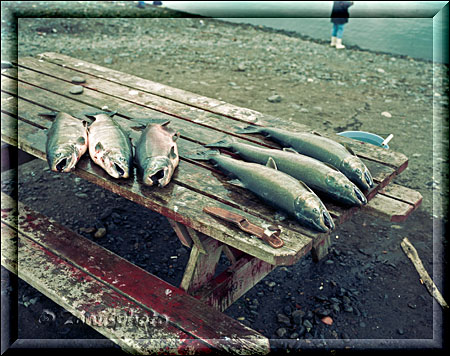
<point>145,121</point>
<point>225,143</point>
<point>204,155</point>
<point>236,182</point>
<point>99,147</point>
<point>331,166</point>
<point>91,115</point>
<point>316,133</point>
<point>250,129</point>
<point>172,153</point>
<point>271,163</point>
<point>347,147</point>
<point>304,185</point>
<point>290,149</point>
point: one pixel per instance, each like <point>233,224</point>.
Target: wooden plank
<point>182,205</point>
<point>146,290</point>
<point>181,232</point>
<point>129,325</point>
<point>403,194</point>
<point>388,208</point>
<point>394,159</point>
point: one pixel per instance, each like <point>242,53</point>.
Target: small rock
<point>274,98</point>
<point>294,335</point>
<point>241,67</point>
<point>283,319</point>
<point>297,316</point>
<point>412,306</point>
<point>386,114</point>
<point>81,195</point>
<point>76,89</point>
<point>281,332</point>
<point>87,230</point>
<point>301,330</point>
<point>100,233</point>
<point>380,70</point>
<point>108,60</point>
<point>271,284</point>
<point>307,324</point>
<point>400,331</point>
<point>78,80</point>
<point>348,309</point>
<point>327,320</point>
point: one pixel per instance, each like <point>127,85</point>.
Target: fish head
<point>342,188</point>
<point>116,164</point>
<point>63,158</point>
<point>310,210</point>
<point>158,170</point>
<point>357,172</point>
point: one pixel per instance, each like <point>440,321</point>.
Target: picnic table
<point>90,281</point>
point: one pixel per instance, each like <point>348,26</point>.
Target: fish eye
<point>315,211</point>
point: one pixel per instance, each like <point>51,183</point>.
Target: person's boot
<point>333,41</point>
<point>339,44</point>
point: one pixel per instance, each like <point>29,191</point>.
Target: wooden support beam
<point>201,266</point>
<point>320,248</point>
<point>234,282</point>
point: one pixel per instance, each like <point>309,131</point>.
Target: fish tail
<point>250,129</point>
<point>204,155</point>
<point>225,143</point>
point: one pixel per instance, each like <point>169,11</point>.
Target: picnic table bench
<point>90,281</point>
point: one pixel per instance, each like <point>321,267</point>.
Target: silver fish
<point>157,154</point>
<point>67,141</point>
<point>109,145</point>
<point>321,148</point>
<point>317,175</point>
<point>274,187</point>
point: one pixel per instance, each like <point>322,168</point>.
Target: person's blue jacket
<point>339,14</point>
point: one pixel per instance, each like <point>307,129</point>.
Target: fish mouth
<point>158,177</point>
<point>65,164</point>
<point>368,179</point>
<point>328,221</point>
<point>119,170</point>
<point>361,197</point>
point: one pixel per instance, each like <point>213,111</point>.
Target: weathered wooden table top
<point>42,84</point>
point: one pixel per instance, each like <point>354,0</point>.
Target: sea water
<point>418,29</point>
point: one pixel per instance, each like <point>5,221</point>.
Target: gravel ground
<point>366,285</point>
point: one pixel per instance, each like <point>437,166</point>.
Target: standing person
<point>339,17</point>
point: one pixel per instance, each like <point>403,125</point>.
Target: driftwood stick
<point>411,252</point>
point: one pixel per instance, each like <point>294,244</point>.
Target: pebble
<point>400,331</point>
<point>301,330</point>
<point>307,324</point>
<point>88,230</point>
<point>81,195</point>
<point>283,319</point>
<point>100,233</point>
<point>76,89</point>
<point>380,70</point>
<point>281,332</point>
<point>297,316</point>
<point>108,60</point>
<point>274,98</point>
<point>241,67</point>
<point>78,80</point>
<point>294,335</point>
<point>386,114</point>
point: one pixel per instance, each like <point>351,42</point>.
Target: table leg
<point>320,248</point>
<point>199,278</point>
